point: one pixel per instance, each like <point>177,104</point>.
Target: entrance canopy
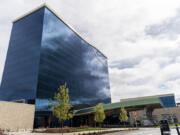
<point>134,105</point>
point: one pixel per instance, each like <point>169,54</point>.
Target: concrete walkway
<point>143,131</point>
<point>74,133</point>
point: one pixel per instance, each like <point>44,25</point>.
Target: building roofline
<point>47,6</point>
<point>146,97</point>
<point>125,104</point>
<point>30,12</point>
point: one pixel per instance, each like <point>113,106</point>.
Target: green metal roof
<point>122,104</point>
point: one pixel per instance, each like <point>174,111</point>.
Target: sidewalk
<point>74,133</point>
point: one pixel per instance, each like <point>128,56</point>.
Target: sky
<point>141,39</point>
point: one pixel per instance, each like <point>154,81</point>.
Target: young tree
<point>61,107</point>
<point>99,113</point>
<point>123,115</point>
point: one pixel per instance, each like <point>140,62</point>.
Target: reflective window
<point>21,68</point>
<point>43,54</point>
<point>169,117</point>
<point>168,101</point>
<point>65,57</point>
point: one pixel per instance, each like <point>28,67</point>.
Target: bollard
<point>177,128</point>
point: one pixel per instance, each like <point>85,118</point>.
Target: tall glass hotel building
<point>44,53</point>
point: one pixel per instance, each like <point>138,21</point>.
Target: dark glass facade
<point>20,75</point>
<point>65,57</point>
<point>168,101</point>
<point>45,53</point>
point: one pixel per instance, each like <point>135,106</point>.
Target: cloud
<point>168,28</point>
<point>141,39</point>
<point>148,74</point>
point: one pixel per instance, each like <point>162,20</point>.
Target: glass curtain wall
<point>67,58</point>
<point>20,74</point>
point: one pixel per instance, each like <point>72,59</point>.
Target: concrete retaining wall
<point>16,116</point>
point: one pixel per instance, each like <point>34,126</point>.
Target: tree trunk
<point>71,123</point>
<point>62,126</point>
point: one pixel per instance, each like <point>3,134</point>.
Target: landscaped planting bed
<point>83,131</point>
<point>67,130</point>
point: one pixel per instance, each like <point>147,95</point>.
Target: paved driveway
<point>144,131</point>
<point>141,131</point>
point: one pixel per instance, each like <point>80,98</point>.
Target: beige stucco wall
<point>170,110</point>
<point>157,112</point>
<point>16,116</point>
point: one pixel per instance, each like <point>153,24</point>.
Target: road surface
<point>143,131</point>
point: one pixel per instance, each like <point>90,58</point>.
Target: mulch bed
<point>54,130</point>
